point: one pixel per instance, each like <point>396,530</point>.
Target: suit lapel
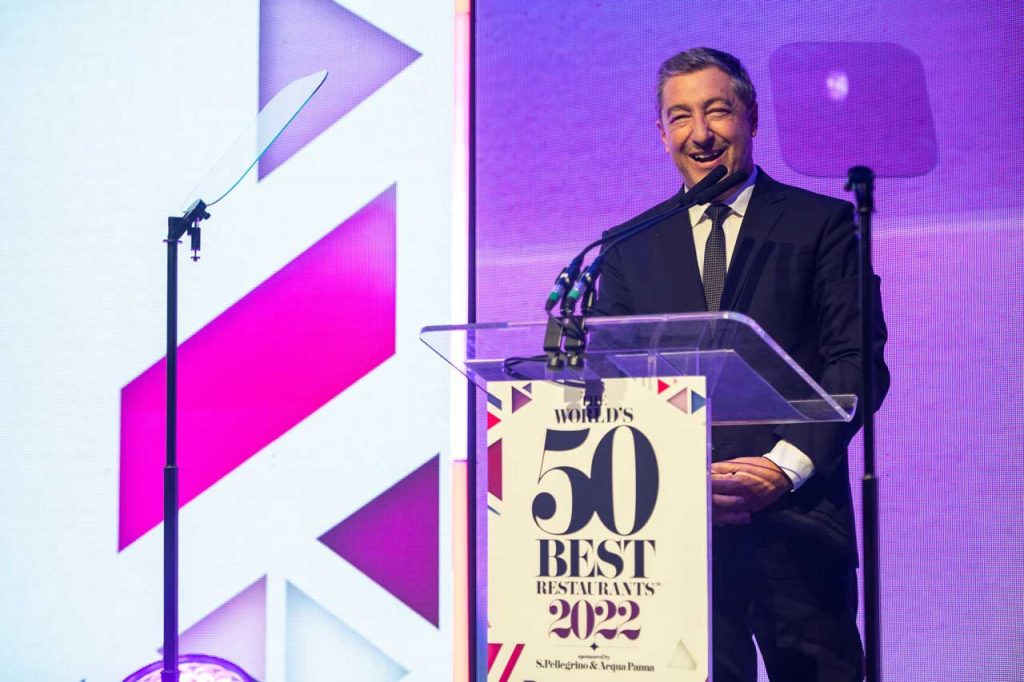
<point>752,245</point>
<point>678,259</point>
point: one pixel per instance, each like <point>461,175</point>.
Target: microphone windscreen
<point>722,187</point>
<point>713,176</point>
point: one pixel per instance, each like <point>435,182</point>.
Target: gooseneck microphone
<point>737,178</point>
<point>564,282</point>
<point>571,286</point>
<point>696,196</point>
<point>570,274</point>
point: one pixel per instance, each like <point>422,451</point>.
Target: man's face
<point>704,124</point>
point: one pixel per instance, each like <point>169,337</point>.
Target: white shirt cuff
<point>793,462</point>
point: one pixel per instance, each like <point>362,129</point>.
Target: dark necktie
<point>714,256</point>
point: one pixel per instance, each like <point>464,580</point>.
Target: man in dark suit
<point>784,545</point>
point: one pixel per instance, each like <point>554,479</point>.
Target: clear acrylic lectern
<point>750,379</point>
<point>747,379</point>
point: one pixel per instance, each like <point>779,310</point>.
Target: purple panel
<point>299,37</point>
<point>839,105</point>
<point>393,539</point>
<point>566,146</point>
<point>951,530</point>
<point>235,631</point>
<point>263,365</point>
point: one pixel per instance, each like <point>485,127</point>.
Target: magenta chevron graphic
<point>299,37</point>
<point>285,349</point>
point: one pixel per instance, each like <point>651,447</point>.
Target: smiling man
<point>706,121</point>
<point>784,546</point>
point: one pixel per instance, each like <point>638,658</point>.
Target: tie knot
<point>717,213</point>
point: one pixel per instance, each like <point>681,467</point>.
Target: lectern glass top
<point>268,125</point>
<point>751,380</point>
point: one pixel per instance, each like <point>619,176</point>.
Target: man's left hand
<point>742,486</point>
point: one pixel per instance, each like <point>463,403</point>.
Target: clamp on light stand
<point>193,233</point>
<point>178,227</point>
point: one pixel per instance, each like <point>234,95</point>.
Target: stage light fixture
<point>195,668</point>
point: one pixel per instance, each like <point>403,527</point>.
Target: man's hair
<point>700,58</point>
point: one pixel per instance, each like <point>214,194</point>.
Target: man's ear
<point>753,120</point>
<point>664,138</point>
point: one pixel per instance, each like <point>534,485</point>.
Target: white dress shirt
<point>793,461</point>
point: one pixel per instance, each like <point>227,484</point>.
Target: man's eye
<point>679,118</point>
<point>718,113</point>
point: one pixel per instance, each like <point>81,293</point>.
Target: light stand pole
<point>861,180</point>
<point>237,161</point>
<point>176,229</point>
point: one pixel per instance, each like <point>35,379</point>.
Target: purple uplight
<point>195,668</point>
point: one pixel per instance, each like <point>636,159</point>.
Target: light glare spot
<point>838,85</point>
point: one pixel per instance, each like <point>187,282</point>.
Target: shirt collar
<point>738,203</point>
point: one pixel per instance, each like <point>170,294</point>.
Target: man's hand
<point>742,486</point>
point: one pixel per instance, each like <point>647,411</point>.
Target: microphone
<point>569,275</point>
<point>709,193</point>
<point>563,282</point>
<point>703,185</point>
<point>684,198</point>
<point>701,193</point>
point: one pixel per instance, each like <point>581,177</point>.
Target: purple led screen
<point>929,94</point>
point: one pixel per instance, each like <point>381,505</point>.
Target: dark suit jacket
<point>794,270</point>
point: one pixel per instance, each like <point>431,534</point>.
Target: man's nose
<point>701,132</point>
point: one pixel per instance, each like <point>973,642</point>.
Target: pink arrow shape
<point>299,37</point>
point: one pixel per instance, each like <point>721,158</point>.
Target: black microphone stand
<point>861,181</point>
<point>576,329</point>
<point>176,229</point>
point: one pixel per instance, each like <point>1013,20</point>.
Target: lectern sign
<point>598,531</point>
